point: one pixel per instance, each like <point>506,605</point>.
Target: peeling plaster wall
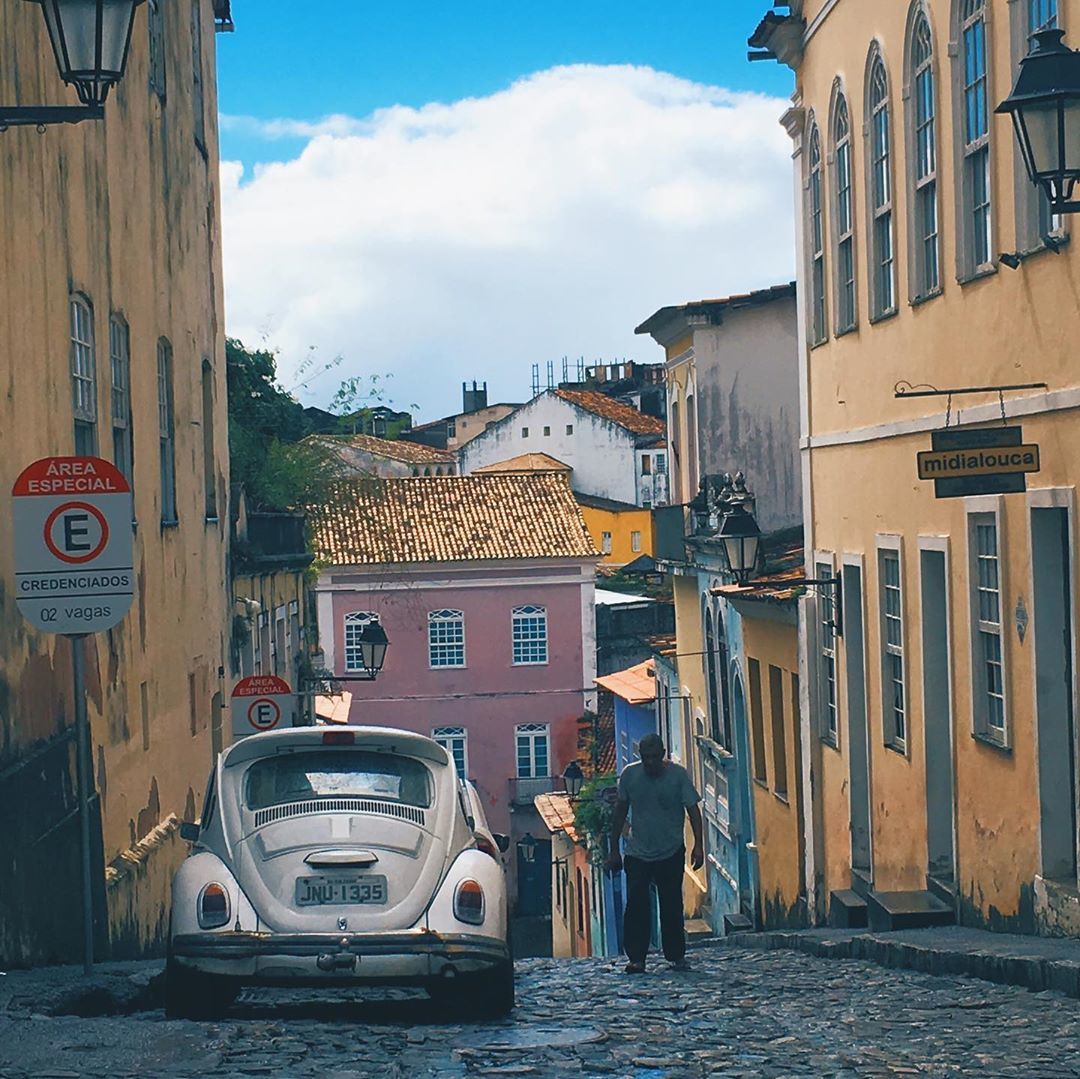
<point>124,211</point>
<point>748,406</point>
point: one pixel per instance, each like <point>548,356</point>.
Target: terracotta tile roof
<point>787,565</point>
<point>412,453</point>
<point>610,409</point>
<point>635,685</point>
<point>450,519</point>
<point>526,462</point>
<point>557,813</point>
<point>663,644</point>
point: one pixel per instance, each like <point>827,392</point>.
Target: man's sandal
<point>634,968</point>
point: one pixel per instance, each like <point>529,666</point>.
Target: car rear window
<point>337,773</point>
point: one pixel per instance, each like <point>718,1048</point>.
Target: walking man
<point>656,793</point>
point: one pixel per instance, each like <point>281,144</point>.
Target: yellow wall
<point>620,524</point>
<point>125,211</point>
<point>777,823</point>
<point>688,633</point>
<point>1009,326</point>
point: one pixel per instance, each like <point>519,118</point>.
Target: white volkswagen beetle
<point>330,856</point>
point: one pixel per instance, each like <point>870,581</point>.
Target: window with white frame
<point>661,464</point>
<point>845,218</point>
<point>446,638</point>
<point>605,543</point>
<point>355,623</point>
<point>926,246</point>
<point>455,741</point>
<point>894,713</point>
<point>532,750</point>
<point>83,377</point>
<point>635,541</point>
<point>987,644</point>
<point>818,320</point>
<point>530,634</point>
<point>830,726</point>
<point>882,279</point>
<point>974,190</point>
<point>120,370</point>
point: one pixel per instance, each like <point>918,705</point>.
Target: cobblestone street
<point>737,1013</point>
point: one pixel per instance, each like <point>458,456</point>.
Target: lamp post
<point>741,538</point>
<point>1045,110</point>
<point>573,777</point>
<point>526,846</point>
<point>90,41</point>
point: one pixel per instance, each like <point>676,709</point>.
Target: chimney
<point>473,399</point>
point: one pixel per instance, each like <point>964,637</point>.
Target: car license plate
<point>323,891</point>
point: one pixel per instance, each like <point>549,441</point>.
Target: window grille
<point>355,621</point>
<point>454,741</point>
<point>446,638</point>
<point>883,287</point>
<point>530,634</point>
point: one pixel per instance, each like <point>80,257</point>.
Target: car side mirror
<point>501,841</point>
<point>189,831</point>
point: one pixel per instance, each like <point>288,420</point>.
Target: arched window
<point>925,261</point>
<point>716,664</point>
<point>843,215</point>
<point>971,76</point>
<point>879,135</point>
<point>83,375</point>
<point>816,234</point>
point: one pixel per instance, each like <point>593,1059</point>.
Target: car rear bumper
<point>412,957</point>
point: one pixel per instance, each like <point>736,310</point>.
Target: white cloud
<point>473,239</point>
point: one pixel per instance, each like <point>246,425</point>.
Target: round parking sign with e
<point>73,544</point>
<point>264,714</point>
<point>261,702</point>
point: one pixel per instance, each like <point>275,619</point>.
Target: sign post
<point>74,576</point>
<point>261,702</point>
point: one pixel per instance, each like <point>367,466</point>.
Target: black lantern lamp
<point>573,777</point>
<point>1045,110</point>
<point>373,642</point>
<point>526,846</point>
<point>90,40</point>
<point>741,539</point>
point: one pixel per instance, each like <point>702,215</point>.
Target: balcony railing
<point>523,789</point>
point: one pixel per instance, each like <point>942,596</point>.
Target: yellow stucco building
<point>939,715</point>
<point>111,343</point>
<point>620,531</point>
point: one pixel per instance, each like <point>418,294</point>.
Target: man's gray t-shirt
<point>657,809</point>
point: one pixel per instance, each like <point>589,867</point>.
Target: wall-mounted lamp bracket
<point>41,116</point>
<point>837,599</point>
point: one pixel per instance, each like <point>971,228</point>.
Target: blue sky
<point>507,183</point>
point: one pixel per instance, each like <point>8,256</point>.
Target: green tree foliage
<point>266,424</point>
<point>592,810</point>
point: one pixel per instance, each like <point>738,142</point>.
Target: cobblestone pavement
<point>737,1013</point>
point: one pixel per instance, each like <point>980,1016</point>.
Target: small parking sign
<point>73,544</point>
<point>261,702</point>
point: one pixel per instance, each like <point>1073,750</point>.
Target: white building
<point>615,451</point>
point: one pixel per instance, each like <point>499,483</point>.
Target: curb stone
<point>1035,973</point>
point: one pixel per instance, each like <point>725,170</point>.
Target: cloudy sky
<point>482,217</point>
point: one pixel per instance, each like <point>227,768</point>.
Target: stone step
<point>907,910</point>
<point>847,909</point>
<point>737,923</point>
<point>697,927</point>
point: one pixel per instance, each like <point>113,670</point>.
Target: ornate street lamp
<point>373,642</point>
<point>741,538</point>
<point>1045,110</point>
<point>526,846</point>
<point>573,777</point>
<point>90,41</point>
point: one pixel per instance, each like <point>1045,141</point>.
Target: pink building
<point>484,585</point>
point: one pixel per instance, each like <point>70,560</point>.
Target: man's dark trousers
<point>667,875</point>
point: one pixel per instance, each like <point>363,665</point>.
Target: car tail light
<point>485,844</point>
<point>338,738</point>
<point>213,906</point>
<point>469,902</point>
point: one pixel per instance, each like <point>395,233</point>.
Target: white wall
<point>600,452</point>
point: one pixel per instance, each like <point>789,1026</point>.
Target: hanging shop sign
<point>979,461</point>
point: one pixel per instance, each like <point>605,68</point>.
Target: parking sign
<point>73,544</point>
<point>261,702</point>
